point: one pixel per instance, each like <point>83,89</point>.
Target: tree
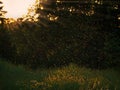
<point>107,13</point>
<point>5,44</point>
<point>2,14</point>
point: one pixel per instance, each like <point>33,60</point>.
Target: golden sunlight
<point>17,8</point>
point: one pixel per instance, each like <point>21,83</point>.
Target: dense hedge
<point>60,44</point>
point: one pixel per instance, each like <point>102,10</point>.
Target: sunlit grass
<point>70,77</point>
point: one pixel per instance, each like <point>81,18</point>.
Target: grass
<point>69,77</point>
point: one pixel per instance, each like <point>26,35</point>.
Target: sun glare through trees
<point>19,8</point>
<point>60,44</point>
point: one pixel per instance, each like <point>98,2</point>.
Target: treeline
<point>91,41</point>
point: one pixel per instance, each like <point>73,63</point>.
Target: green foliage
<point>80,39</point>
<point>112,50</point>
<point>6,49</point>
<point>84,44</point>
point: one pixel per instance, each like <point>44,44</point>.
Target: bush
<point>80,42</point>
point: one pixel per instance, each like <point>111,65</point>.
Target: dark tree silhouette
<point>5,44</point>
<point>107,13</point>
<point>70,31</point>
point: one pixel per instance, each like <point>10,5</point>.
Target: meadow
<point>71,46</point>
<point>69,77</point>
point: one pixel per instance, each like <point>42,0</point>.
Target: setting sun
<point>17,8</point>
